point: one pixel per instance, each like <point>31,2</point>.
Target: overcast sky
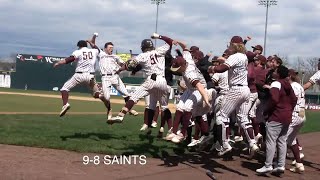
<point>53,27</point>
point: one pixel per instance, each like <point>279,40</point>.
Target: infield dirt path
<point>26,163</point>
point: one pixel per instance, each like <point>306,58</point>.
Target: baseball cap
<point>257,47</point>
<point>261,58</point>
<point>82,43</point>
<point>177,63</point>
<point>194,48</point>
<point>293,72</point>
<point>236,39</point>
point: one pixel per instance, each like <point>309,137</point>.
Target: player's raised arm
<point>92,42</point>
<point>162,50</point>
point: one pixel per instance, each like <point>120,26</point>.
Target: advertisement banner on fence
<point>313,107</point>
<point>39,58</point>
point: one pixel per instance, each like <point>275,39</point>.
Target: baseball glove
<point>131,64</point>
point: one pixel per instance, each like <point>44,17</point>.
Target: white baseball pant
<point>295,126</point>
<point>81,79</point>
<point>116,82</point>
<point>238,96</point>
<point>253,104</point>
<point>156,89</point>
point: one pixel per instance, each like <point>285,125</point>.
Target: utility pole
<point>267,4</point>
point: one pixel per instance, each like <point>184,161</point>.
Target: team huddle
<point>238,96</point>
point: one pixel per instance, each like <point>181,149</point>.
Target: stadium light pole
<point>157,2</point>
<point>267,4</point>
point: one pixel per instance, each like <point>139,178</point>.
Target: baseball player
<point>84,74</point>
<point>153,63</point>
<point>257,49</point>
<point>109,65</point>
<point>256,111</point>
<point>298,119</point>
<point>194,95</point>
<point>162,106</point>
<point>238,95</point>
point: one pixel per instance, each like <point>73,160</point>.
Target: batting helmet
<point>146,45</point>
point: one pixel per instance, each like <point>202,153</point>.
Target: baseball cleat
<point>238,138</point>
<point>117,119</point>
<point>264,170</point>
<point>193,142</point>
<point>64,110</point>
<point>225,150</point>
<point>299,168</point>
<point>170,136</point>
<point>133,112</point>
<point>154,124</point>
<point>278,170</point>
<point>144,127</point>
<point>178,138</point>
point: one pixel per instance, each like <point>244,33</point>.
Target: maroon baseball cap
<point>194,48</point>
<point>257,47</point>
<point>293,72</point>
<point>261,58</point>
<point>177,63</point>
<point>236,39</point>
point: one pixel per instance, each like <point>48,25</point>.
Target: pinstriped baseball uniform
<point>315,78</point>
<point>152,62</point>
<point>109,64</point>
<point>163,102</point>
<point>222,80</point>
<point>84,73</point>
<point>238,96</point>
<point>297,121</point>
<point>191,96</point>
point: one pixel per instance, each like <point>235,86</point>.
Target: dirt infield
<point>18,162</point>
<point>116,101</point>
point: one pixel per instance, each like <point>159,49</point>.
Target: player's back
<point>238,71</point>
<point>86,59</point>
<point>153,62</point>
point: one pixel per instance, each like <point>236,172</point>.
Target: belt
<point>84,72</point>
<point>237,85</point>
<point>106,74</point>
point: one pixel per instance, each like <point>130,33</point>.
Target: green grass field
<point>85,133</point>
